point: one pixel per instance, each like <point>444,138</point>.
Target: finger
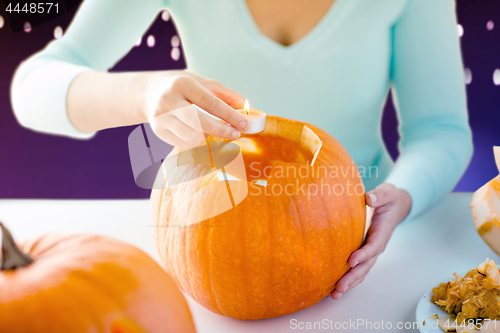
<point>191,135</point>
<point>226,94</point>
<point>169,137</point>
<point>354,274</point>
<point>185,132</point>
<point>217,128</point>
<point>211,126</point>
<point>188,114</point>
<point>229,96</point>
<point>336,295</point>
<point>354,277</point>
<point>377,238</point>
<point>381,195</point>
<point>203,123</point>
<point>197,94</point>
<point>358,281</point>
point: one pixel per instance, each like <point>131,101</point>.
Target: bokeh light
<point>175,41</point>
<point>460,30</point>
<point>58,32</point>
<point>138,43</point>
<point>27,27</point>
<point>467,76</point>
<point>496,77</point>
<point>151,41</point>
<point>490,25</point>
<point>175,53</point>
<point>165,15</point>
<point>2,22</point>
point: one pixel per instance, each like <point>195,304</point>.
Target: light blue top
<point>336,77</point>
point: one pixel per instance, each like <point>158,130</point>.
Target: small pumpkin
<point>86,283</point>
<point>281,248</point>
<point>485,209</point>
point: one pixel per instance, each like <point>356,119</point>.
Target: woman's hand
<point>391,207</point>
<point>168,108</point>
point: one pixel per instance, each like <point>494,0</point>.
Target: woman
<point>329,63</point>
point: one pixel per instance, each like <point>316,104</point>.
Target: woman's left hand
<point>391,206</point>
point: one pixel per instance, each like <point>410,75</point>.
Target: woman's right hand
<point>169,110</point>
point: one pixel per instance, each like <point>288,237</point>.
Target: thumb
<point>381,195</point>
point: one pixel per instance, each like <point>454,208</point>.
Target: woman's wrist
<point>405,200</point>
<point>153,86</point>
<point>149,84</point>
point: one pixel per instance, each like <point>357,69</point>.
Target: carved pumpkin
<point>278,250</point>
<point>485,209</point>
<point>86,283</point>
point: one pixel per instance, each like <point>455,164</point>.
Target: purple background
<point>35,165</point>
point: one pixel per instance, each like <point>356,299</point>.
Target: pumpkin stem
<point>12,256</point>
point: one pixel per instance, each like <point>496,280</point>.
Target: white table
<point>421,253</point>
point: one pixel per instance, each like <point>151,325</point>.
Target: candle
<point>256,119</point>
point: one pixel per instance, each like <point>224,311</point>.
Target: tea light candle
<point>256,119</point>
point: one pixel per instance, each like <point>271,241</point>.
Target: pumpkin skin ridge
<point>210,272</point>
<point>206,277</point>
<point>330,154</point>
<point>322,198</point>
<point>167,230</point>
<point>175,241</point>
<point>305,274</point>
<point>271,228</point>
<point>33,246</point>
<point>242,227</point>
<point>156,198</point>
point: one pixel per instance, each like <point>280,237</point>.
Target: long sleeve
<point>102,32</point>
<point>429,93</point>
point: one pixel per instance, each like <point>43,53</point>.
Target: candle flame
<point>247,106</point>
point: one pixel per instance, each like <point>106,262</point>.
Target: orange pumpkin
<point>485,209</point>
<point>86,283</point>
<point>285,245</point>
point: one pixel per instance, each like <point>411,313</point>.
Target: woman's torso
<point>336,76</point>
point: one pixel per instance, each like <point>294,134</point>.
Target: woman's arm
<point>428,89</point>
<point>102,32</point>
<point>429,93</point>
<point>98,100</point>
<point>65,89</point>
